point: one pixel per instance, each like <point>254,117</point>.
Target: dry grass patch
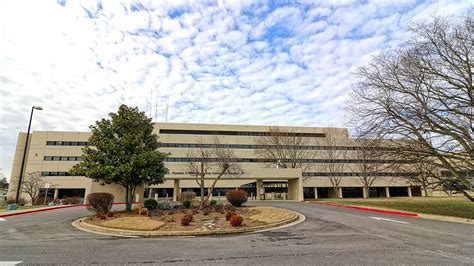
<point>133,223</point>
<point>270,215</point>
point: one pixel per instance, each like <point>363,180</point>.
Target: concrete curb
<point>82,225</point>
<point>19,212</point>
<point>361,208</point>
<point>40,210</point>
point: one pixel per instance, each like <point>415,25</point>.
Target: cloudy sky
<point>234,62</point>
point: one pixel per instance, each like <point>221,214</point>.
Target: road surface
<point>330,235</point>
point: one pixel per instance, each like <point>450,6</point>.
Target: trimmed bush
<point>206,212</point>
<point>236,220</point>
<point>236,197</point>
<point>186,195</point>
<point>229,214</point>
<point>212,202</point>
<point>100,202</point>
<point>187,204</point>
<point>186,220</point>
<point>150,204</point>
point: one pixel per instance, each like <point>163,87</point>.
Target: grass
<point>446,206</point>
<point>4,208</point>
<point>134,223</point>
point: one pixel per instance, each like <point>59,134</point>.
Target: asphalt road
<point>330,235</point>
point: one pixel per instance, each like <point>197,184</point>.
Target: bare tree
<point>423,92</point>
<point>211,162</point>
<point>334,158</point>
<point>373,159</point>
<point>284,149</point>
<point>32,184</point>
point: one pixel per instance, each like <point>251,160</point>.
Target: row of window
<point>249,146</point>
<point>62,158</point>
<point>67,143</point>
<point>262,160</point>
<point>356,174</point>
<point>51,173</point>
<point>230,146</point>
<point>239,133</point>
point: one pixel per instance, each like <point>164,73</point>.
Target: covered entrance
<point>276,184</point>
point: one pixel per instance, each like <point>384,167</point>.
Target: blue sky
<point>234,62</point>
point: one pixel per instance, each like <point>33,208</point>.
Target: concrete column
<point>339,192</point>
<point>56,193</point>
<point>137,197</point>
<point>315,192</point>
<point>176,190</point>
<point>387,192</point>
<point>260,188</point>
<point>409,191</point>
<point>156,196</point>
<point>364,193</point>
<point>295,189</point>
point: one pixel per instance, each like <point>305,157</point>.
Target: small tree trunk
<point>128,204</point>
<point>201,204</point>
<point>468,196</point>
<point>426,191</point>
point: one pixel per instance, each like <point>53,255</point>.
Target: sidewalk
<point>33,210</point>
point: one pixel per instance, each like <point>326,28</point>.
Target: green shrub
<point>100,202</point>
<point>150,204</point>
<point>236,220</point>
<point>186,195</point>
<point>236,197</point>
<point>187,204</point>
<point>212,202</point>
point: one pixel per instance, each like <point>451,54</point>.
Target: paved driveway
<point>330,235</point>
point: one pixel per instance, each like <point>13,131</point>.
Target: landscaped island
<point>184,217</point>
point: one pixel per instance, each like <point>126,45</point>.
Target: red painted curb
<point>40,210</point>
<point>53,208</point>
<point>399,213</point>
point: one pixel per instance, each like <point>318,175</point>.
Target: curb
<point>87,227</point>
<point>41,210</point>
<point>53,208</point>
<point>399,213</point>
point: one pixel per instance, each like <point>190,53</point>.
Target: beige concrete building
<point>53,154</point>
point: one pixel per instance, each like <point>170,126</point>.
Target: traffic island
<point>204,222</point>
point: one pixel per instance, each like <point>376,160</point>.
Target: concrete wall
<point>38,149</point>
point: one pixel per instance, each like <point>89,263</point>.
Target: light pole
<point>24,153</point>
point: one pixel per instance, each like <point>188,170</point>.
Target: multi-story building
<point>53,154</point>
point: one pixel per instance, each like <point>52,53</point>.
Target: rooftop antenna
<point>167,109</point>
<point>150,102</point>
<point>156,109</point>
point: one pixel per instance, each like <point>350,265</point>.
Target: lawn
<point>3,208</point>
<point>447,206</point>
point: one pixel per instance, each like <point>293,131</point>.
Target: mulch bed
<point>214,220</point>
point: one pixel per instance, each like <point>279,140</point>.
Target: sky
<point>231,62</point>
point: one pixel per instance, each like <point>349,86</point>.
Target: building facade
<point>54,153</point>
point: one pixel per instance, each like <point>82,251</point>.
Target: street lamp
<point>39,108</point>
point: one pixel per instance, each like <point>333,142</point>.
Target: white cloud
<point>243,62</point>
